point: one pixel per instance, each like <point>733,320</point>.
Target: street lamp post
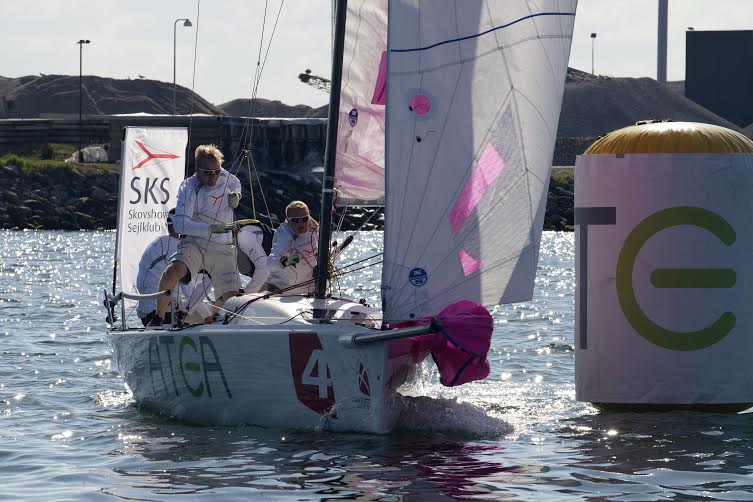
<point>80,93</point>
<point>593,37</point>
<point>186,23</point>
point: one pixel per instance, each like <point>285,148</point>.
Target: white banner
<point>152,168</point>
<point>664,278</point>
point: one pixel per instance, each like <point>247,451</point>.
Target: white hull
<point>295,374</point>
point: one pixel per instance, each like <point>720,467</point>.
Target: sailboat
<point>446,112</point>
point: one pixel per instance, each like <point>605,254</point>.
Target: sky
<point>134,38</point>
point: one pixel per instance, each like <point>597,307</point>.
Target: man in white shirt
<point>153,263</point>
<point>294,248</point>
<point>204,216</point>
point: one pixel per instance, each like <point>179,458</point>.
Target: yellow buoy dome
<point>671,137</point>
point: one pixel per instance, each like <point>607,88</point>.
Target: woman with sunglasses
<point>293,257</point>
<point>204,216</point>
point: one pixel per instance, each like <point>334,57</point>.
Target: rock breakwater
<point>68,198</point>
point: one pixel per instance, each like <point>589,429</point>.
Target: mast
<point>325,215</point>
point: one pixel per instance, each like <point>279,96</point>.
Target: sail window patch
<point>468,262</point>
<point>420,104</point>
<point>488,168</point>
<point>353,117</point>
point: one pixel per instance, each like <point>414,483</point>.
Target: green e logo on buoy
<point>675,278</point>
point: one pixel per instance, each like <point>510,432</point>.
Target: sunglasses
<point>210,172</point>
<point>298,219</point>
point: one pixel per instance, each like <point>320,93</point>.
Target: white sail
<point>474,90</point>
<point>152,168</point>
<point>359,164</point>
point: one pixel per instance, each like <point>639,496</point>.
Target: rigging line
<point>258,56</point>
<point>261,190</point>
<point>193,76</point>
<point>269,45</point>
<point>261,70</point>
<point>342,219</point>
<point>477,35</point>
<point>250,183</point>
<point>237,154</point>
<point>339,274</point>
<point>257,77</point>
<point>373,213</point>
<point>359,261</point>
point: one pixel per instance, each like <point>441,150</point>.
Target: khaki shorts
<point>217,259</point>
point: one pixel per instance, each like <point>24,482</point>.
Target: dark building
<point>719,73</point>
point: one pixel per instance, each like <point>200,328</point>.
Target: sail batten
<point>474,90</point>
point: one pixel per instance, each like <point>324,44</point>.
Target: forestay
<point>152,168</point>
<point>359,163</point>
<point>474,90</point>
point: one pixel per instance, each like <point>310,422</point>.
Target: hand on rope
<point>234,199</point>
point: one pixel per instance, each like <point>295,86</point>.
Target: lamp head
<point>83,41</point>
<point>593,35</point>
<point>187,22</point>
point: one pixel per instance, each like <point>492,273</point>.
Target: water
<point>69,431</point>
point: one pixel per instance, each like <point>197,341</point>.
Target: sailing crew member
<point>252,253</point>
<point>294,249</point>
<point>204,216</point>
<point>153,263</point>
<point>252,257</point>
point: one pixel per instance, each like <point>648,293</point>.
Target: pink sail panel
<point>488,167</point>
<point>380,89</point>
<point>468,262</point>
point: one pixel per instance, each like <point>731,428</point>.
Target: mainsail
<point>359,164</point>
<point>474,89</point>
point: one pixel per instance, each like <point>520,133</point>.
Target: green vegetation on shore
<point>48,156</point>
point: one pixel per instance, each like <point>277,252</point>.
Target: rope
<point>193,75</point>
<point>250,183</point>
<point>257,78</point>
<point>261,191</point>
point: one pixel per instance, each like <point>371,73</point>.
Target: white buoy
<point>664,268</point>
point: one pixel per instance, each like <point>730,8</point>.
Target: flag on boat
<point>152,168</point>
<point>473,93</point>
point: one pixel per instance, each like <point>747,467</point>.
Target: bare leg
<point>170,277</point>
